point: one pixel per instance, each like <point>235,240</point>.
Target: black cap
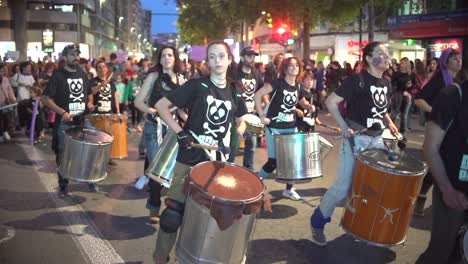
<point>71,48</point>
<point>248,51</point>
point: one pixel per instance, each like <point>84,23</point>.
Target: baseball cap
<point>248,51</point>
<point>71,48</point>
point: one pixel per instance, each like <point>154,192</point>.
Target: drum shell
<point>84,161</point>
<point>161,168</point>
<point>372,192</point>
<point>217,229</point>
<point>116,125</point>
<point>297,156</point>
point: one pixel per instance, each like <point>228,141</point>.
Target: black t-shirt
<point>432,88</point>
<point>160,90</point>
<point>211,111</point>
<point>451,114</point>
<point>104,99</point>
<point>251,83</point>
<point>69,90</point>
<point>400,79</point>
<point>367,98</point>
<point>310,98</point>
<point>282,107</point>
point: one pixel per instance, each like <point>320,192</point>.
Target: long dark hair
<point>177,62</point>
<point>367,51</point>
<point>231,72</point>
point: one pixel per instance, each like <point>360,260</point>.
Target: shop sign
<point>47,40</point>
<point>442,44</point>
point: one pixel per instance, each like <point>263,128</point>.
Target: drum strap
<point>461,100</point>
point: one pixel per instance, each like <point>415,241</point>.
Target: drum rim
<point>329,144</point>
<point>224,200</point>
<point>394,172</point>
<point>100,143</point>
<point>369,241</point>
<point>295,133</point>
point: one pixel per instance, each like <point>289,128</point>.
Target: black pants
<point>154,199</point>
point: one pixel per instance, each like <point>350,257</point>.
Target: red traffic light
<point>281,29</point>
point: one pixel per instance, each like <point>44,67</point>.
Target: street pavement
<point>111,226</point>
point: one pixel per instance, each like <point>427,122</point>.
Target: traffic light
<point>281,33</point>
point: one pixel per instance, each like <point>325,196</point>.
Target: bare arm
<point>306,105</point>
<point>163,107</point>
<point>144,93</point>
<point>117,105</point>
<point>391,125</point>
<point>332,105</point>
<point>241,126</point>
<point>423,105</point>
<point>265,90</point>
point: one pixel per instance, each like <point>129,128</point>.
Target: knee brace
<point>171,217</point>
<point>270,166</point>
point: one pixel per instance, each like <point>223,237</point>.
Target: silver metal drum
<point>219,217</point>
<point>299,156</point>
<point>161,168</point>
<point>85,154</point>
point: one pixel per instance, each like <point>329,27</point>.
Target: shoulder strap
<point>461,100</point>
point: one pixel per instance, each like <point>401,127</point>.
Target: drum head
<point>88,135</point>
<point>252,119</point>
<point>403,165</point>
<point>309,121</point>
<point>226,181</point>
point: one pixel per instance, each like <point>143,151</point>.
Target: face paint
<point>376,61</point>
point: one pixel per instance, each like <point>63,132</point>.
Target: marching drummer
<point>251,81</point>
<point>164,77</point>
<point>212,103</point>
<point>446,152</point>
<point>103,99</point>
<point>280,118</point>
<point>367,96</point>
<point>66,94</point>
<point>306,109</point>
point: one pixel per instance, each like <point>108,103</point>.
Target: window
<point>3,3</point>
<point>37,6</point>
<point>64,8</point>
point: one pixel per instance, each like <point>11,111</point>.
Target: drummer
<point>280,118</point>
<point>307,107</point>
<point>103,99</point>
<point>367,96</point>
<point>212,102</point>
<point>66,94</point>
<point>164,77</point>
<point>251,81</point>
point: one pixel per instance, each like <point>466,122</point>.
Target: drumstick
<point>222,149</point>
<point>337,129</point>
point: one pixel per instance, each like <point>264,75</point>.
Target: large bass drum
<point>116,125</point>
<point>381,200</point>
<point>299,156</point>
<point>222,202</point>
<point>161,168</point>
<point>85,154</point>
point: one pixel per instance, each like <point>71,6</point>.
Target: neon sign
<point>440,45</point>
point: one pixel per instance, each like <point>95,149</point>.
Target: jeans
<point>340,187</point>
<point>249,150</point>
<point>405,113</point>
<point>150,139</point>
<point>446,223</point>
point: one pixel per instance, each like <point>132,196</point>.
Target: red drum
<point>381,200</point>
<point>222,202</point>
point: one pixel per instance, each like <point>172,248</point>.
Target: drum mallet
<point>222,149</point>
<point>337,129</point>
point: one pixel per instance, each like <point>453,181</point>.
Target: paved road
<point>111,226</point>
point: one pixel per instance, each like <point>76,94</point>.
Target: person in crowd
<point>45,75</point>
<point>166,76</point>
<point>113,65</point>
<point>447,69</point>
<point>7,97</point>
<point>306,110</point>
<point>133,88</point>
<point>22,82</point>
<point>36,92</point>
<point>122,92</point>
<point>320,84</point>
<point>143,69</point>
<point>402,82</point>
<point>66,94</point>
<point>272,70</point>
<point>357,67</point>
<point>347,71</point>
<point>197,96</point>
<point>280,116</point>
<point>431,68</point>
<point>333,77</point>
<point>88,68</point>
<point>446,152</point>
<point>363,111</point>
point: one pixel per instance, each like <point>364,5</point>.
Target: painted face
<point>167,59</point>
<point>454,63</point>
<point>218,59</point>
<point>293,67</point>
<point>379,59</point>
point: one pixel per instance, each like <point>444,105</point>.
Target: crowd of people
<point>285,95</point>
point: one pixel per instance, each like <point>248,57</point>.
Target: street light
<point>139,36</point>
<point>132,29</point>
<point>120,19</point>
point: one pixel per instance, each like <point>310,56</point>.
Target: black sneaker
<point>63,193</point>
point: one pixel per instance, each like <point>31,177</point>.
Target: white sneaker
<point>6,136</point>
<point>292,194</point>
<point>141,182</point>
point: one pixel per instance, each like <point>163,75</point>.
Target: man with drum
<point>66,94</point>
<point>213,103</point>
<point>251,81</point>
<point>446,152</point>
<point>164,77</point>
<point>367,97</point>
<point>280,115</point>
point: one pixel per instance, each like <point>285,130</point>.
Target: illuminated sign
<point>442,44</point>
<point>352,43</point>
<point>48,40</point>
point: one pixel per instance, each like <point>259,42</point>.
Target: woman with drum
<point>165,77</point>
<point>280,117</point>
<point>212,103</point>
<point>367,96</point>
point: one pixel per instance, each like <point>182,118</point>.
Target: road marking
<point>10,233</point>
<point>93,248</point>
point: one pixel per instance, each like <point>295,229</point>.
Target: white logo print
<point>249,92</point>
<point>105,97</point>
<point>76,104</point>
<point>463,174</point>
<point>288,107</point>
<point>379,98</point>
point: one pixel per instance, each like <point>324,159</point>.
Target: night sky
<point>161,24</point>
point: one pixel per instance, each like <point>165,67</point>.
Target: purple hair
<point>442,66</point>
